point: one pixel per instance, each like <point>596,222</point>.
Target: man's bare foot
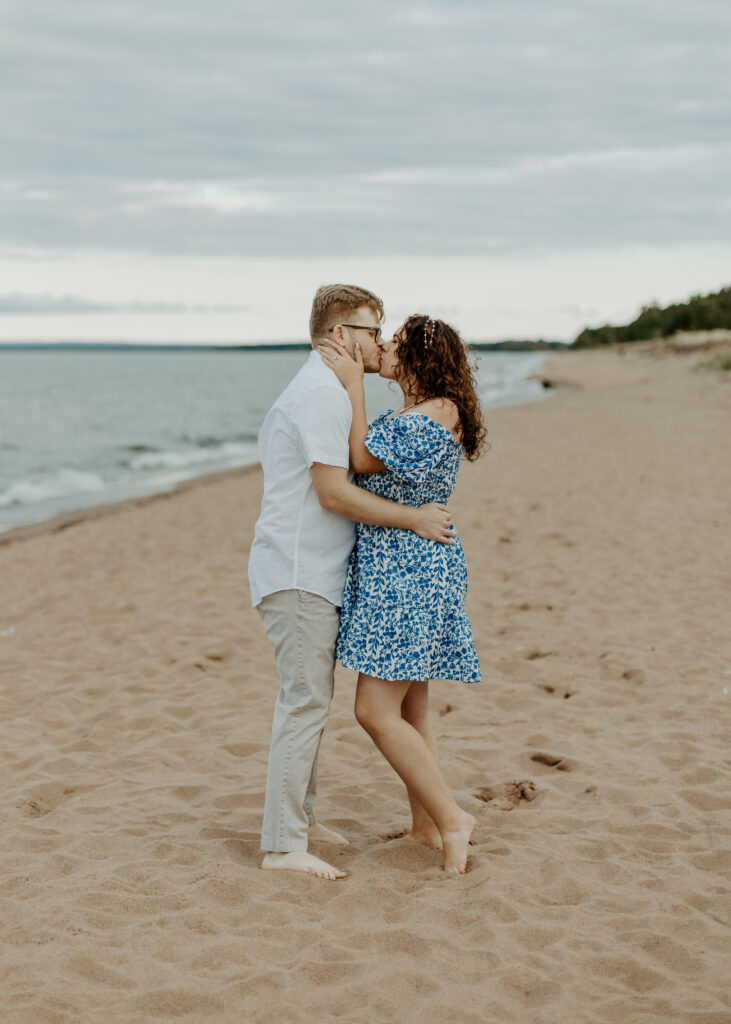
<point>427,837</point>
<point>326,835</point>
<point>457,845</point>
<point>301,860</point>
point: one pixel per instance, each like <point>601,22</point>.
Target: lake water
<point>84,428</point>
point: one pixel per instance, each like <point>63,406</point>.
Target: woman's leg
<point>415,711</point>
<point>378,709</point>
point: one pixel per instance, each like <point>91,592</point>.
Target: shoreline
<point>138,685</point>
<point>58,523</point>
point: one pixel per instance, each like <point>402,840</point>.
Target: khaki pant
<point>303,629</point>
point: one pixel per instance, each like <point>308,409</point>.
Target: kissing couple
<point>367,569</point>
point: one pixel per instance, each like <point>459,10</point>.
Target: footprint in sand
<point>446,709</point>
<point>561,764</point>
<point>395,835</point>
<point>242,749</point>
<point>32,809</point>
<point>44,799</point>
<point>552,689</point>
<point>237,835</point>
<point>507,795</point>
<point>634,675</point>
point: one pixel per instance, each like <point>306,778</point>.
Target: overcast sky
<point>181,171</point>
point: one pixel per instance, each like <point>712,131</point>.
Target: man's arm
<point>337,494</point>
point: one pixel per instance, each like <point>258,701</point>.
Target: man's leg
<point>302,628</point>
<point>311,794</point>
<point>315,829</point>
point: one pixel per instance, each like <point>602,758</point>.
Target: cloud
<point>23,304</point>
<point>280,131</point>
<point>220,197</point>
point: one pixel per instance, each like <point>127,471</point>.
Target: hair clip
<point>429,331</point>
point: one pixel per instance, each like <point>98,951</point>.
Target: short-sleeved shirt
<point>299,545</point>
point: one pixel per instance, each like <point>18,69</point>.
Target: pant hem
<point>293,847</point>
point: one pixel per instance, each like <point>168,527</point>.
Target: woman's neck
<point>409,397</point>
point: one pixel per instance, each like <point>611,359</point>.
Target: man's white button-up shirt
<point>299,545</point>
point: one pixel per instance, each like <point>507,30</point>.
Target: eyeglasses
<point>360,327</point>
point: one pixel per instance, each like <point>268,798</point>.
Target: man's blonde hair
<point>334,302</point>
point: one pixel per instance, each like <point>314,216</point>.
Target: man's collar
<point>316,358</point>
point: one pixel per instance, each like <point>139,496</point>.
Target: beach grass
<point>718,361</point>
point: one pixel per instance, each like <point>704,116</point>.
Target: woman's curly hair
<point>433,359</point>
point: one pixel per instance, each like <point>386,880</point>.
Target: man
<point>299,560</point>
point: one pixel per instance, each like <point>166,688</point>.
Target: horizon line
<point>232,345</point>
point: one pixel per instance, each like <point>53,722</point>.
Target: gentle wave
<point>68,483</point>
<point>61,483</point>
<point>177,459</point>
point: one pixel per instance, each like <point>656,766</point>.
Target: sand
<point>137,689</point>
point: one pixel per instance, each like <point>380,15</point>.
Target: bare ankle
<point>451,824</point>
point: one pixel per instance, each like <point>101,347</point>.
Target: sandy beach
<point>137,689</point>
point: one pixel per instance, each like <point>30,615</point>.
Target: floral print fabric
<point>403,615</point>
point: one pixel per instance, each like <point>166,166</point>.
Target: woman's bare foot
<point>326,835</point>
<point>300,860</point>
<point>457,845</point>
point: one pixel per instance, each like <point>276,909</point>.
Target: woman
<point>403,620</point>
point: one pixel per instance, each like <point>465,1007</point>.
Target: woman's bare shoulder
<point>443,410</point>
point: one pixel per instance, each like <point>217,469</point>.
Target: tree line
<point>699,313</point>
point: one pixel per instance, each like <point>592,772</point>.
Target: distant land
<point>700,313</point>
<point>517,345</point>
<point>278,346</point>
<point>286,346</point>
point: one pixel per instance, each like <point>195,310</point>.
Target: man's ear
<point>338,334</point>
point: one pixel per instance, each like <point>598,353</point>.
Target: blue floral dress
<point>403,615</point>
